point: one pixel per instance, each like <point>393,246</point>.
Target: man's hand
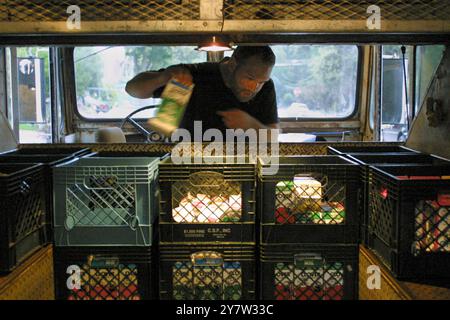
<point>181,74</point>
<point>238,119</point>
<point>144,84</point>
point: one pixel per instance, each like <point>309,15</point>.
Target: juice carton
<point>175,98</point>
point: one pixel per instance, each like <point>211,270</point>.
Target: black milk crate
<point>106,201</point>
<point>48,161</point>
<point>409,219</point>
<point>308,272</point>
<point>207,272</point>
<point>22,213</point>
<point>311,199</point>
<point>207,202</point>
<point>104,273</point>
<point>67,151</point>
<point>341,150</point>
<point>378,160</point>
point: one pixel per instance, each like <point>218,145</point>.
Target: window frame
<point>416,106</point>
<point>104,120</point>
<point>10,84</point>
<point>410,85</point>
<point>355,111</point>
<point>281,119</point>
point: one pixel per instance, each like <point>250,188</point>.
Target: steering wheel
<point>150,136</point>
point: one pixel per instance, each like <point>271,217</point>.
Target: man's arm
<point>238,119</point>
<point>144,84</point>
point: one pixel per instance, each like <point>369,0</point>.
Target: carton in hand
<point>175,98</point>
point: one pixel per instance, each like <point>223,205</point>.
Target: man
<point>236,93</point>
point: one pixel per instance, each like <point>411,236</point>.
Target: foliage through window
<point>315,81</point>
<point>101,74</point>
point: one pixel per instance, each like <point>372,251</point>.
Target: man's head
<point>250,68</point>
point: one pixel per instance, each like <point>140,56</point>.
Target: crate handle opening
<point>308,261</point>
<point>69,223</point>
<point>134,223</point>
<point>310,185</point>
<point>102,261</point>
<point>320,177</point>
<point>207,259</point>
<point>108,182</point>
<point>197,179</point>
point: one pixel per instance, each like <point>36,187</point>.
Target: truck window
<point>316,81</point>
<point>28,90</point>
<point>102,72</point>
<point>427,61</point>
<point>394,114</point>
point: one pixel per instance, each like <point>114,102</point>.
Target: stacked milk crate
<point>26,201</point>
<point>407,210</point>
<point>105,211</point>
<point>207,229</point>
<point>373,155</point>
<point>308,228</point>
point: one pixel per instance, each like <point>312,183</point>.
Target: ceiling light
<point>215,45</point>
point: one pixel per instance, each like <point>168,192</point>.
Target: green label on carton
<point>175,98</point>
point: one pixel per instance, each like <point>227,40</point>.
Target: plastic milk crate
<point>100,273</point>
<point>409,219</point>
<point>368,149</point>
<point>207,202</point>
<point>67,151</point>
<point>311,199</point>
<point>308,272</point>
<point>48,161</point>
<point>380,159</point>
<point>207,272</point>
<point>105,202</point>
<point>22,212</point>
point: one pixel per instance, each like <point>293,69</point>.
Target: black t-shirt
<point>210,95</point>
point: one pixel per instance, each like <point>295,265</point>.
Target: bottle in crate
<point>97,273</point>
<point>207,202</point>
<point>312,199</point>
<point>308,272</point>
<point>201,272</point>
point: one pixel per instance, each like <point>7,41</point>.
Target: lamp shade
<point>214,45</point>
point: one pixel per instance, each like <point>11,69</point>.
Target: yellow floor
<point>388,287</point>
<point>32,280</point>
